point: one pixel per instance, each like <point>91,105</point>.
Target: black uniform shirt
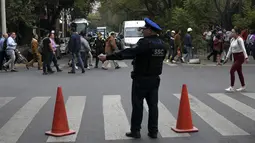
<point>148,56</point>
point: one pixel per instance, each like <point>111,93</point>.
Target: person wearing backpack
<point>237,49</point>
<point>47,50</point>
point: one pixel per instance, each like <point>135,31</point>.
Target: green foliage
<point>181,20</point>
<point>83,7</point>
<point>247,18</point>
<point>21,11</point>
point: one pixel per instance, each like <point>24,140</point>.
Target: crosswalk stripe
<point>236,105</point>
<point>5,100</point>
<point>14,128</point>
<point>215,120</point>
<point>122,64</point>
<point>250,95</point>
<point>74,108</point>
<point>115,119</point>
<point>166,121</point>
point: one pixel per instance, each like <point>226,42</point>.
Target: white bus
<point>82,24</point>
<point>130,32</point>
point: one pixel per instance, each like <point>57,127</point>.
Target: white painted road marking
<point>5,100</point>
<point>166,121</point>
<point>250,95</point>
<point>215,120</point>
<point>115,119</point>
<point>14,128</point>
<point>74,107</point>
<point>236,105</point>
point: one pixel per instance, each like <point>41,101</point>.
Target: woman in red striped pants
<point>237,49</point>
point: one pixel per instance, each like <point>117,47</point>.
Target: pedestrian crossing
<point>116,122</point>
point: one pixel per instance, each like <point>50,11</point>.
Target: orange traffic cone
<point>184,121</point>
<point>60,124</point>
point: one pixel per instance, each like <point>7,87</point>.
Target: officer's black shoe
<point>83,71</point>
<point>118,67</point>
<point>135,135</point>
<point>153,135</point>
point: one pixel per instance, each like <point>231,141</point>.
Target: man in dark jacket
<point>74,48</point>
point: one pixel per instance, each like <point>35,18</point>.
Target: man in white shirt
<point>10,51</point>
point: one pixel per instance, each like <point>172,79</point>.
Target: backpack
<point>40,47</point>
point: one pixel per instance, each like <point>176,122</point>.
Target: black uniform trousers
<point>145,88</point>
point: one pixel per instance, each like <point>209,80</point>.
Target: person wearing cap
<point>148,57</point>
<point>188,46</point>
<point>75,47</point>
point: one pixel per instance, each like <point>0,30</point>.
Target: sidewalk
<point>205,62</point>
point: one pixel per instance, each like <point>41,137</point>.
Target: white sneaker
<point>241,89</point>
<point>167,61</point>
<point>183,59</point>
<point>230,89</point>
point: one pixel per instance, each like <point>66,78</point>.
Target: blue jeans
<point>78,56</point>
<point>188,55</point>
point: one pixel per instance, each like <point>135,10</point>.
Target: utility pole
<point>3,15</point>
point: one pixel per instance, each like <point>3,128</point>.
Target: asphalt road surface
<point>98,105</point>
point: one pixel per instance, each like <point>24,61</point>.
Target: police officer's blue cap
<point>150,24</point>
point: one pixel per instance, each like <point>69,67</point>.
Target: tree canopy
<point>29,12</point>
<point>181,14</point>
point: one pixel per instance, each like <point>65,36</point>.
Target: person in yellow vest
<point>36,55</point>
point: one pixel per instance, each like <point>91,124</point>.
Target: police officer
<point>147,62</point>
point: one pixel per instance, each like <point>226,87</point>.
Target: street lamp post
<point>3,15</point>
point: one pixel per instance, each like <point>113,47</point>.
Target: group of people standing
<point>80,49</point>
<point>175,47</point>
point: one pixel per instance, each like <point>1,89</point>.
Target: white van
<point>130,33</point>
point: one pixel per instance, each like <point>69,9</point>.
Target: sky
<point>95,8</point>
